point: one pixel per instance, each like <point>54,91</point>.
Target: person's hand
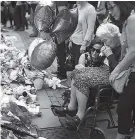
<point>79,66</point>
<point>101,11</point>
<point>70,45</point>
<point>106,51</point>
<point>82,49</point>
<point>113,76</point>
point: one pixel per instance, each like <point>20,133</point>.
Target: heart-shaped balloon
<point>65,24</point>
<point>43,18</point>
<point>43,54</point>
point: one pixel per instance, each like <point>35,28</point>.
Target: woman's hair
<point>107,30</point>
<point>125,9</point>
<point>96,40</point>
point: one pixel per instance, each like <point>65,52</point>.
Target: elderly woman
<point>124,12</point>
<point>84,78</point>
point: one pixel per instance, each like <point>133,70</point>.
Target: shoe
<point>62,111</point>
<point>33,35</point>
<point>72,122</point>
<point>21,29</point>
<point>16,29</point>
<point>61,77</point>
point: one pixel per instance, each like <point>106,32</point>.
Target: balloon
<point>33,45</point>
<point>44,16</point>
<point>43,54</point>
<point>65,24</point>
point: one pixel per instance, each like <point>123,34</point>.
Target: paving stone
<point>61,101</point>
<point>56,103</point>
<point>50,92</point>
<point>115,118</point>
<point>58,93</point>
<point>111,133</point>
<point>53,99</point>
<point>43,99</point>
<point>46,120</point>
<point>113,111</point>
<point>103,124</point>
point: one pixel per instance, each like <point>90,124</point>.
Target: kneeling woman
<point>97,72</point>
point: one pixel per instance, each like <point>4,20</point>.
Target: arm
<point>130,56</point>
<point>101,9</point>
<point>112,62</point>
<point>82,60</point>
<point>112,56</point>
<point>91,18</point>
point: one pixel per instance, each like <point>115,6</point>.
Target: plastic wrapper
<point>17,131</point>
<point>54,83</point>
<point>24,116</point>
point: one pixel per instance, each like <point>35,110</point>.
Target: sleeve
<point>130,32</point>
<point>112,62</point>
<point>90,20</point>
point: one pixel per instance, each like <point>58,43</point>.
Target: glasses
<point>97,50</point>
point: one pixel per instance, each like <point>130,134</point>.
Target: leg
<point>82,101</point>
<point>76,53</point>
<point>35,31</point>
<point>17,17</point>
<point>72,122</point>
<point>23,19</point>
<point>10,19</point>
<point>125,108</point>
<point>61,58</point>
<point>71,109</point>
<point>73,100</point>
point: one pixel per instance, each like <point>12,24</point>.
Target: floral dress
<point>90,77</point>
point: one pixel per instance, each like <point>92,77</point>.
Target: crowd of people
<point>20,14</point>
<point>102,46</point>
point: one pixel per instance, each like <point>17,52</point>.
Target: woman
<point>124,12</point>
<point>82,36</point>
<point>84,78</point>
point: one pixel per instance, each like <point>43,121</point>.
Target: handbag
<point>121,81</point>
<point>69,63</point>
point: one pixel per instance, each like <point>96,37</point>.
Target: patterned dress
<point>90,77</point>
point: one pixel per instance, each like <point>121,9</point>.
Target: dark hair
<point>125,8</point>
<point>24,94</point>
<point>96,40</point>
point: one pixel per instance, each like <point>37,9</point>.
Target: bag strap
<point>57,10</point>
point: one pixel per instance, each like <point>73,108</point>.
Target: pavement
<point>47,96</point>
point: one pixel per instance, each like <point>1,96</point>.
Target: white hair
<point>107,30</point>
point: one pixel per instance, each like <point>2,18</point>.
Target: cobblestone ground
<point>48,96</point>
